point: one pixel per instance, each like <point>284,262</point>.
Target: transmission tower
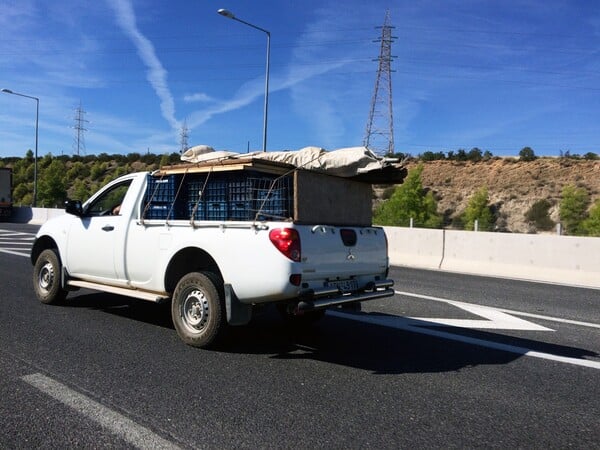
<point>79,141</point>
<point>183,137</point>
<point>379,137</point>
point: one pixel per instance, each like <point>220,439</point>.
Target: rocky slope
<point>513,185</point>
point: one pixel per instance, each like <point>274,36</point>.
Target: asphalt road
<point>451,361</point>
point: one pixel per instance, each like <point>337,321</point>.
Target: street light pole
<point>229,15</point>
<point>37,116</point>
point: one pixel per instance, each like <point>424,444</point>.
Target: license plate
<point>343,285</point>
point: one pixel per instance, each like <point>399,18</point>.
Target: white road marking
<point>14,253</point>
<point>118,424</point>
<point>496,320</point>
<point>508,311</point>
<point>416,326</point>
<point>11,242</point>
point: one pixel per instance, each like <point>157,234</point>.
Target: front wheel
<point>46,278</point>
<point>198,310</point>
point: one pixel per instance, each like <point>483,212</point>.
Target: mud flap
<point>238,313</point>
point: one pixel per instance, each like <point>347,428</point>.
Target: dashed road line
<point>118,424</point>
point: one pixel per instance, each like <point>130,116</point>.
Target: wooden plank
<point>227,165</point>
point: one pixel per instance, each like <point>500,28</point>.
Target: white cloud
<point>157,75</point>
<point>199,97</point>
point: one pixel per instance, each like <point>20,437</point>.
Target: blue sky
<point>493,75</point>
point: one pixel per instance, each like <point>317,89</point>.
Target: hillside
<point>513,185</point>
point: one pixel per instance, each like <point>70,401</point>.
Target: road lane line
<point>14,253</point>
<point>406,324</point>
<point>508,311</point>
<point>118,424</point>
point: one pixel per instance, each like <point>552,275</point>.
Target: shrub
<point>573,208</point>
<point>591,225</point>
<point>479,209</point>
<point>527,154</point>
<point>409,200</point>
<point>538,215</point>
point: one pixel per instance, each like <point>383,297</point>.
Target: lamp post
<point>37,115</point>
<point>229,15</point>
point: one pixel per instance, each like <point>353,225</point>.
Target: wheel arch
<point>43,243</point>
<point>186,260</point>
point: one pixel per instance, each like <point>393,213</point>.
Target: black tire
<point>301,320</point>
<point>198,310</point>
<point>47,278</point>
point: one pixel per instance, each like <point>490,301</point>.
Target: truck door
<point>97,238</point>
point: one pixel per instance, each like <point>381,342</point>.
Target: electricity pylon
<point>79,141</point>
<point>379,137</point>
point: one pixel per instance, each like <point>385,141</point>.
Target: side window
<point>109,203</point>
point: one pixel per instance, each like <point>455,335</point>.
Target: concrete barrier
<point>36,216</point>
<point>547,258</point>
<point>415,247</point>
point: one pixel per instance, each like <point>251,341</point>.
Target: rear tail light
<point>287,241</point>
<point>348,237</point>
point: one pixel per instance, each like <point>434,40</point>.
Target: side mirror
<point>74,207</point>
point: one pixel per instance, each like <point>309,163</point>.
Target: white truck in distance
<point>5,192</point>
<point>213,271</point>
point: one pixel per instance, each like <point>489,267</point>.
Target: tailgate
<point>348,256</point>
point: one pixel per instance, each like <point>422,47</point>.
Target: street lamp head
<point>226,13</point>
<point>7,91</point>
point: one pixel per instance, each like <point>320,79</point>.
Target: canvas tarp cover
<point>345,162</point>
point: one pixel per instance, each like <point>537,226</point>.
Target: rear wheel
<point>46,278</point>
<point>198,310</point>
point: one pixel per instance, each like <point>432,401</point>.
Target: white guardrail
<point>535,257</point>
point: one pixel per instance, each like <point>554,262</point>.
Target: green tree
<point>52,184</point>
<point>80,190</point>
<point>77,171</point>
<point>573,208</point>
<point>475,154</point>
<point>164,160</point>
<point>527,154</point>
<point>591,225</point>
<point>479,209</point>
<point>538,215</point>
<point>410,200</point>
<point>461,155</point>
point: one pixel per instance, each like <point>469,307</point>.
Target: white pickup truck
<point>213,271</point>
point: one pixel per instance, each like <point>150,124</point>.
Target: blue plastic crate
<point>157,211</point>
<point>200,213</point>
<point>216,210</point>
<point>194,190</point>
<point>161,189</point>
<point>239,190</point>
<point>241,211</point>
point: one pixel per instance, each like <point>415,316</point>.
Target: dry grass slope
<point>513,185</point>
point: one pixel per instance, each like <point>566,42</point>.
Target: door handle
<point>108,228</point>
